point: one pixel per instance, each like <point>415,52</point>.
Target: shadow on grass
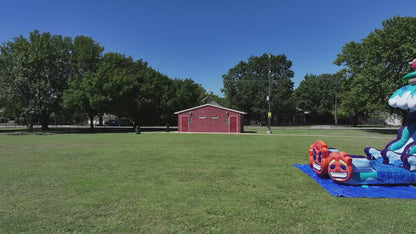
<point>63,130</point>
<point>381,131</point>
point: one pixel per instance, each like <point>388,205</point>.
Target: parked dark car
<point>113,122</point>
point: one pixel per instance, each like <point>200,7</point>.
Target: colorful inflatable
<point>360,170</point>
<point>395,164</point>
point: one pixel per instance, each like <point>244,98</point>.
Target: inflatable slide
<point>395,164</point>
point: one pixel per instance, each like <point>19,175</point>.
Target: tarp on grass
<point>340,190</point>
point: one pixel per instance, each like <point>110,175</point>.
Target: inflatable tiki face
<point>340,166</point>
<point>318,154</point>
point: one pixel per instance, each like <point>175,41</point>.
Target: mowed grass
<point>170,183</point>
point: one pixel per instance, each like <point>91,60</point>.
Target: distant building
<point>210,117</point>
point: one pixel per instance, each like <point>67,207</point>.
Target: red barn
<point>210,118</point>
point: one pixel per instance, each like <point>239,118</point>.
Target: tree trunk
<point>30,125</point>
<point>44,127</point>
<point>135,123</point>
<point>355,119</point>
<point>44,120</point>
<point>91,121</point>
<point>100,120</point>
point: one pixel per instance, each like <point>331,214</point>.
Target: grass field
<point>169,182</point>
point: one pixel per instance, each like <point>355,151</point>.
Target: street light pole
<point>269,114</point>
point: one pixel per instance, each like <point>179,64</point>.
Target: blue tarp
<point>340,190</point>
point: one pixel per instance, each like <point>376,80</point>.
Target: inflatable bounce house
<point>393,165</point>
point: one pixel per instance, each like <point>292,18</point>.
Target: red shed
<point>210,118</point>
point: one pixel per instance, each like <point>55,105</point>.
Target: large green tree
<point>143,94</point>
<point>246,86</point>
<point>131,89</point>
<point>85,91</point>
<point>33,75</point>
<point>376,65</point>
<point>316,94</point>
<point>354,100</point>
<point>182,94</point>
<point>43,73</point>
<point>126,87</point>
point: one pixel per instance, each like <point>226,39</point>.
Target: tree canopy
<point>316,95</point>
<point>376,65</point>
<point>84,93</point>
<point>246,85</point>
<point>47,74</point>
<point>33,74</point>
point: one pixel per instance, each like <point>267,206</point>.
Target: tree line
<point>47,75</point>
<point>370,71</point>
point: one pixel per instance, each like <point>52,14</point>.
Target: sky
<point>202,40</point>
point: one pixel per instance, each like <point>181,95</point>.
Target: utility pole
<point>269,114</point>
<point>336,101</point>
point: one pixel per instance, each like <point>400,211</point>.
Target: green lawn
<point>169,182</point>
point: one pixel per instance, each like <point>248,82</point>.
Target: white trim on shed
<point>209,104</point>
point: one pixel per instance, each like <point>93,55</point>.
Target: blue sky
<point>202,40</point>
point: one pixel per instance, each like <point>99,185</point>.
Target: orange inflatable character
<point>318,154</point>
<point>340,166</point>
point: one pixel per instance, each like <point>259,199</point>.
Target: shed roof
<point>216,105</point>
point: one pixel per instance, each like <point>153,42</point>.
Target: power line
<point>246,81</point>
